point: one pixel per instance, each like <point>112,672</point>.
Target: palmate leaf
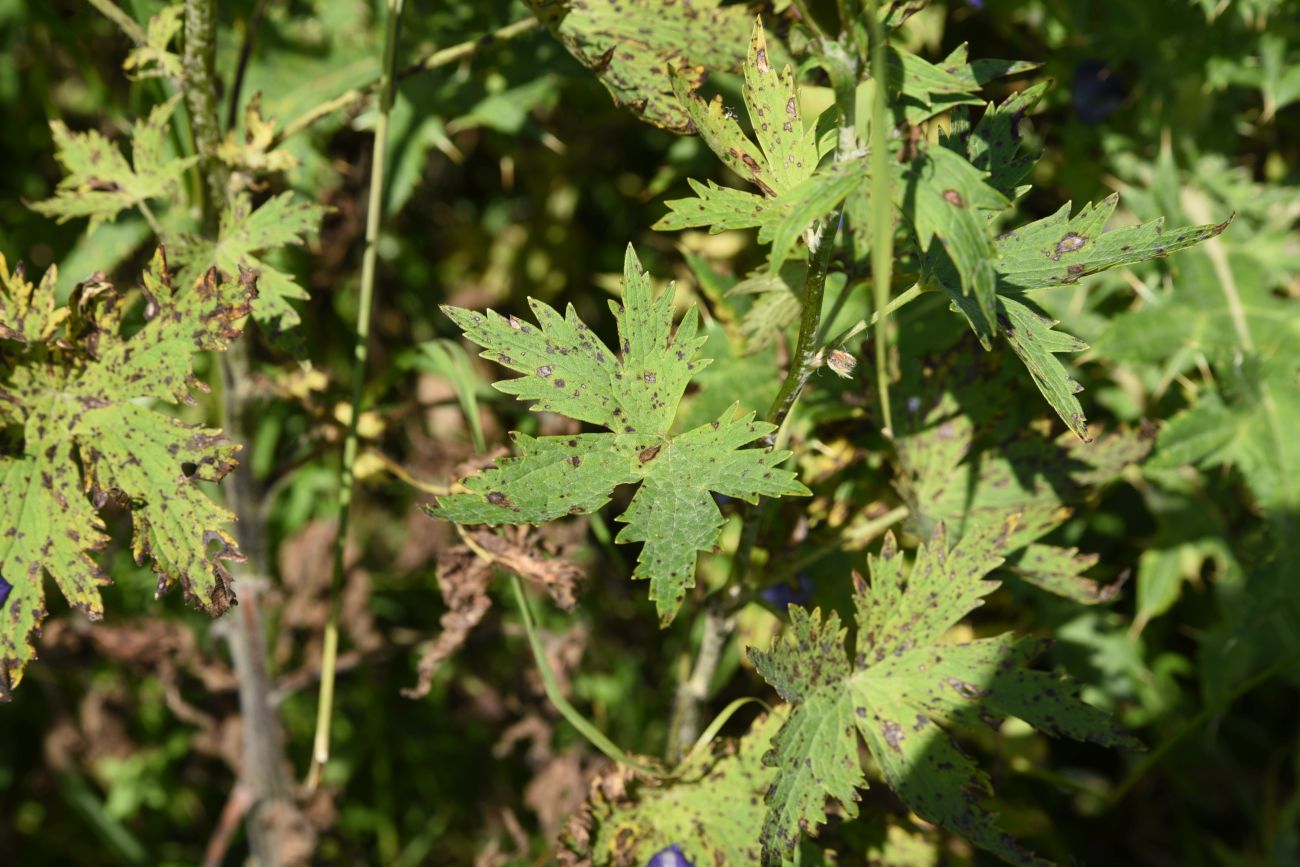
<point>711,808</point>
<point>634,393</point>
<point>152,59</point>
<point>245,233</point>
<point>99,183</point>
<point>967,457</point>
<point>782,163</point>
<point>74,385</point>
<point>630,45</point>
<point>901,690</point>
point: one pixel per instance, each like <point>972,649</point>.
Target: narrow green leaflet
<point>782,163</point>
<point>152,59</point>
<point>1056,251</point>
<point>1061,249</point>
<point>712,808</point>
<point>902,690</point>
<point>945,195</point>
<point>80,390</point>
<point>925,89</point>
<point>247,232</point>
<point>98,181</point>
<point>631,46</point>
<point>634,393</point>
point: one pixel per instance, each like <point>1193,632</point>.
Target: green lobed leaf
<point>944,195</point>
<point>966,458</point>
<point>79,389</point>
<point>634,393</point>
<point>902,691</point>
<point>98,181</point>
<point>786,152</point>
<point>152,59</point>
<point>1061,249</point>
<point>247,233</point>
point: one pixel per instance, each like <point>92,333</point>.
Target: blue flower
<point>5,587</point>
<point>670,856</point>
<point>784,595</point>
<point>1098,92</point>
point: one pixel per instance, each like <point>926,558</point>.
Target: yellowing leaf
<point>80,392</point>
<point>630,46</point>
<point>244,234</point>
<point>153,60</point>
<point>98,181</point>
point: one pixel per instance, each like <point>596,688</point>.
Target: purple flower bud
<point>670,856</point>
<point>784,595</point>
<point>5,587</point>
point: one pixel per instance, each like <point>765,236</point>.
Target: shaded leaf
<point>711,809</point>
<point>902,691</point>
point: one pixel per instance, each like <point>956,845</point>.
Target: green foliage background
<point>513,175</point>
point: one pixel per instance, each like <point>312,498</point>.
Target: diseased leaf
<point>99,183</point>
<point>711,809</point>
<point>786,152</point>
<point>902,690</point>
<point>1061,249</point>
<point>635,395</point>
<point>78,388</point>
<point>631,45</point>
<point>152,59</point>
<point>963,462</point>
<point>247,232</point>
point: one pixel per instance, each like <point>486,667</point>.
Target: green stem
<point>803,363</point>
<point>585,728</point>
<point>719,612</point>
<point>895,304</point>
<point>374,217</point>
<point>442,57</point>
<point>125,23</point>
<point>262,753</point>
<point>1153,758</point>
<point>808,19</point>
<point>882,210</point>
<point>201,101</point>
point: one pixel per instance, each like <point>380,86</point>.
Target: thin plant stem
<point>589,731</point>
<point>719,612</point>
<point>882,210</point>
<point>442,57</point>
<point>125,22</point>
<point>262,752</point>
<point>365,303</point>
<point>895,304</point>
<point>197,60</point>
<point>1153,758</point>
<point>241,68</point>
<point>808,19</point>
